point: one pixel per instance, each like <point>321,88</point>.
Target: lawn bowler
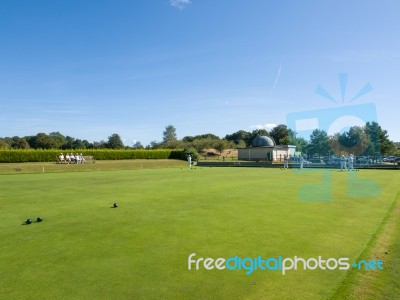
<point>285,162</point>
<point>342,163</point>
<point>351,163</point>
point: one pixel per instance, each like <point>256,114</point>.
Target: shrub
<point>191,151</point>
<point>22,155</point>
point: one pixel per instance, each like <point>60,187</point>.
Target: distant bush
<point>192,152</point>
<point>16,156</point>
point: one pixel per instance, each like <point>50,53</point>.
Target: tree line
<point>370,139</point>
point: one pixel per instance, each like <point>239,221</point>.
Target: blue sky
<point>92,68</point>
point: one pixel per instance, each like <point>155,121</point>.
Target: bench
<point>89,158</point>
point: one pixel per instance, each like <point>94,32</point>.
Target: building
<point>264,148</point>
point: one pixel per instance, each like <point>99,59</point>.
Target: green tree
<point>69,143</point>
<point>42,141</point>
<point>300,143</point>
<point>242,144</point>
<point>22,144</point>
<point>354,141</point>
<point>221,146</point>
<point>192,152</point>
<point>238,136</point>
<point>188,139</point>
<point>379,143</point>
<point>169,135</point>
<point>115,142</point>
<point>87,144</point>
<point>202,144</point>
<point>154,145</point>
<point>280,134</point>
<point>79,144</point>
<point>319,143</point>
<point>58,139</point>
<point>207,136</point>
<point>4,144</point>
<point>137,145</point>
<point>170,139</point>
<point>100,145</point>
<point>19,143</point>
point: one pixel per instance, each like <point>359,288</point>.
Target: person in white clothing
<point>342,163</point>
<point>351,163</point>
<point>285,162</point>
<point>82,159</point>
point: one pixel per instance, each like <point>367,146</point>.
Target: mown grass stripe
<point>384,245</point>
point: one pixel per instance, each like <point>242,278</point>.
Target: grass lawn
<point>86,249</point>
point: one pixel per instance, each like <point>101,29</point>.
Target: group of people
<point>347,163</point>
<point>70,158</point>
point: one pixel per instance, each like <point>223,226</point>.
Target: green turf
<point>99,165</point>
<point>86,249</point>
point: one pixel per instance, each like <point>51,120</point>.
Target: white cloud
<point>263,126</point>
<point>179,3</point>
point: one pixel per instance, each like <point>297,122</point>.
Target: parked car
<point>389,159</point>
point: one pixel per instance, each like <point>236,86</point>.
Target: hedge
<point>16,156</point>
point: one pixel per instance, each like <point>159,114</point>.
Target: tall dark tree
<point>19,143</point>
<point>169,134</point>
<point>22,144</point>
<point>170,139</point>
<point>379,143</point>
<point>238,136</point>
<point>348,140</point>
<point>280,134</point>
<point>115,142</point>
<point>354,141</point>
<point>319,143</point>
<point>42,141</point>
<point>58,139</point>
<point>79,144</point>
<point>69,143</point>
